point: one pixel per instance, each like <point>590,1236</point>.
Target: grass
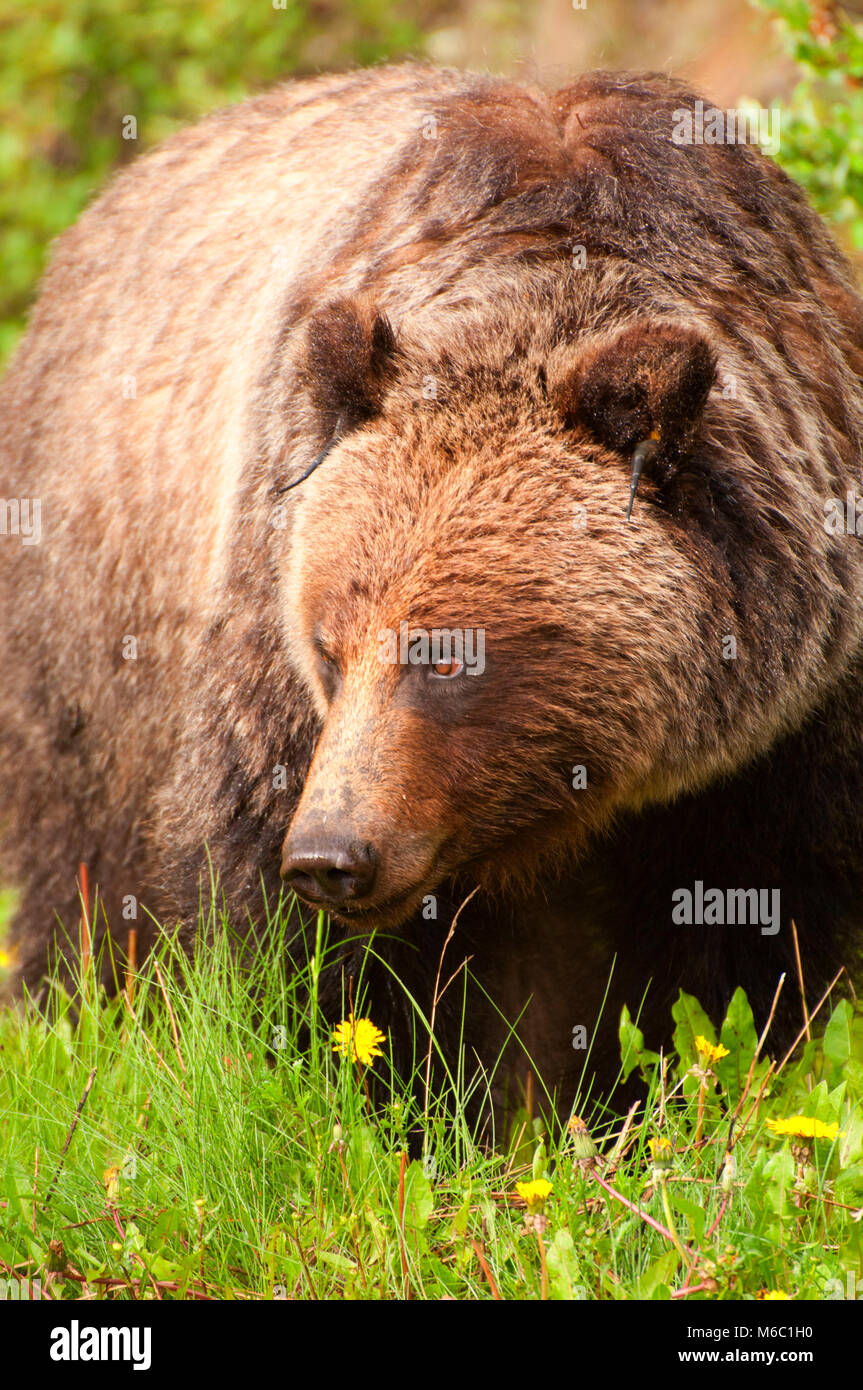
<point>199,1138</point>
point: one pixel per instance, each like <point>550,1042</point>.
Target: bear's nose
<point>326,870</point>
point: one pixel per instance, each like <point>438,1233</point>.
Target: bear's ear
<point>348,362</point>
<point>646,381</point>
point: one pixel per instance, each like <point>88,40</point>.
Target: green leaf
<point>525,1132</point>
<point>778,1172</point>
<point>563,1268</point>
<point>692,1210</point>
<point>336,1260</point>
<point>655,1281</point>
<point>419,1198</point>
<point>851,1142</point>
<point>459,1222</point>
<point>838,1039</point>
<point>633,1053</point>
<point>849,1185</point>
<point>692,1022</point>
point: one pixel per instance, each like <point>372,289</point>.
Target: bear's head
<point>499,659</point>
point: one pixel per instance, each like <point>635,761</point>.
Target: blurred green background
<point>71,71</point>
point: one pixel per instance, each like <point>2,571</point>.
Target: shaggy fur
<point>388,262</point>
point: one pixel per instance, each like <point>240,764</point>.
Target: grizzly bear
<point>447,505</point>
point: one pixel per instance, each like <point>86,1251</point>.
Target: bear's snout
<point>329,869</point>
<point>367,834</point>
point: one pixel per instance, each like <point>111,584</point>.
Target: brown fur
<point>310,259</point>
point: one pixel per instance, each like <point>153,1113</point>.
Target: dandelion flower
<point>358,1039</point>
<point>660,1148</point>
<point>710,1052</point>
<point>775,1296</point>
<point>662,1153</point>
<point>534,1193</point>
<point>111,1183</point>
<point>804,1127</point>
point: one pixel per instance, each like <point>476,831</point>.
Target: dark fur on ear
<point>648,379</point>
<point>348,363</point>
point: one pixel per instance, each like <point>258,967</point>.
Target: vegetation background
<point>200,1137</point>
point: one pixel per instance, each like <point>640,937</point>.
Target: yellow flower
<point>534,1193</point>
<point>358,1039</point>
<point>660,1147</point>
<point>711,1052</point>
<point>804,1127</point>
<point>111,1183</point>
<point>662,1153</point>
<point>774,1296</point>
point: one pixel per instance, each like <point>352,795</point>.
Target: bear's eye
<point>325,656</point>
<point>447,670</point>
